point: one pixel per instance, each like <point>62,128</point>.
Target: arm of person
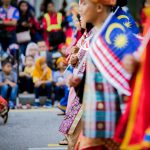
<point>13,22</point>
<point>10,22</point>
<point>130,63</point>
<point>1,81</point>
<point>2,84</point>
<point>22,74</point>
<point>14,82</point>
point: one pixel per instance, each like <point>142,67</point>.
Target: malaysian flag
<point>109,47</point>
<point>127,20</point>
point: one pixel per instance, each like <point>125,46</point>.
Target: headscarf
<point>31,45</point>
<point>38,71</point>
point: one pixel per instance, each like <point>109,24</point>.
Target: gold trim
<point>76,121</point>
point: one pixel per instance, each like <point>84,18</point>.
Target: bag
<point>3,106</point>
<point>23,37</point>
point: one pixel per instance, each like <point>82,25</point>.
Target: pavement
<point>35,129</point>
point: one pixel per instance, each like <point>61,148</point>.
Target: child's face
<point>7,68</point>
<point>88,11</point>
<point>147,3</point>
<point>33,52</point>
<point>29,61</point>
<point>44,66</point>
<point>61,66</point>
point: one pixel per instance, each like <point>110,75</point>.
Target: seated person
<point>42,78</point>
<point>26,83</point>
<point>8,83</point>
<point>44,52</point>
<point>61,90</point>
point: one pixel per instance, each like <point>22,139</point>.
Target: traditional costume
<point>102,99</point>
<point>71,125</point>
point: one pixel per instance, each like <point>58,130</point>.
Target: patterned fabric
<point>70,116</point>
<point>10,13</point>
<point>70,121</point>
<point>101,103</point>
<point>107,52</point>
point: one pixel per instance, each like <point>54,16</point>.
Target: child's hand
<point>12,84</point>
<point>130,63</point>
<point>73,81</point>
<point>45,71</point>
<point>73,60</point>
<point>38,83</point>
<point>74,50</point>
<point>22,74</point>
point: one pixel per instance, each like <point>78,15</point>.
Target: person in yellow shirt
<point>42,79</point>
<point>26,83</point>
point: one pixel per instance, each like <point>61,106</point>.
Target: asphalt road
<point>31,130</point>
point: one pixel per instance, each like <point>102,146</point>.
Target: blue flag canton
<point>127,20</point>
<point>119,39</point>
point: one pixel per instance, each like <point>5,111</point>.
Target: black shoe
<point>5,118</point>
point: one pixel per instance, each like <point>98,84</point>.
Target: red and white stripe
<point>110,66</point>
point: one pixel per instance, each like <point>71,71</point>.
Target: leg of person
<point>37,95</point>
<point>63,102</point>
<point>13,96</point>
<point>4,91</point>
<point>29,84</point>
<point>48,87</point>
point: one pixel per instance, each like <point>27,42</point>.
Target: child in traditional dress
<point>71,125</point>
<point>100,117</point>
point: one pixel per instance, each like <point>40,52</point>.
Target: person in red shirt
<point>9,16</point>
<point>52,22</point>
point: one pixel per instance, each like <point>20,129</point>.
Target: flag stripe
<point>108,75</point>
<point>116,63</point>
<point>108,65</point>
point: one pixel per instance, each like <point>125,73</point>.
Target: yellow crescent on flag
<point>110,29</point>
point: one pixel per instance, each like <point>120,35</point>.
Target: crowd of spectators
<point>32,58</point>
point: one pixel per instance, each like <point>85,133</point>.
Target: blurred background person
<point>27,27</point>
<point>42,78</point>
<point>44,52</point>
<point>52,24</point>
<point>32,50</point>
<point>26,82</point>
<point>61,89</point>
<point>8,83</point>
<point>9,16</point>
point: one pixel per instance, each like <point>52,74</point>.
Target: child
<point>60,85</point>
<point>32,49</point>
<point>98,126</point>
<point>26,75</point>
<point>42,78</point>
<point>8,83</point>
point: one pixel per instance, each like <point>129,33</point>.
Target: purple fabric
<point>70,116</point>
